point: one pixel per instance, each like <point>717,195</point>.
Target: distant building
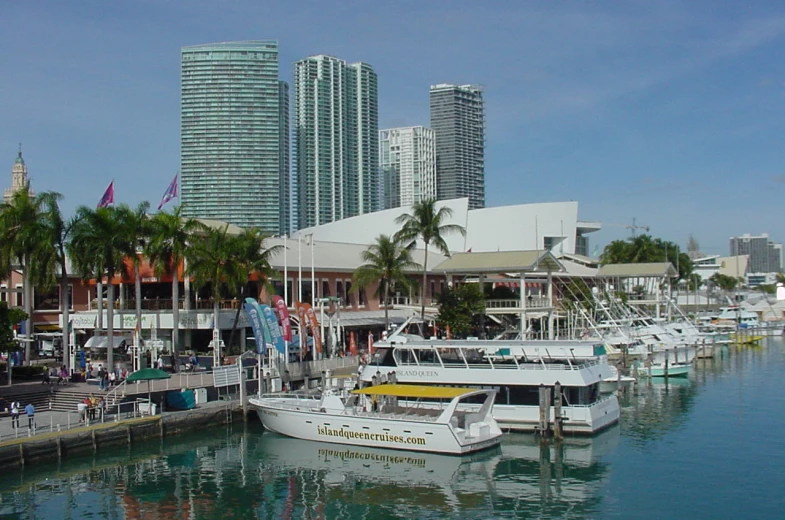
<point>18,177</point>
<point>765,256</point>
<point>407,160</point>
<point>336,140</point>
<point>234,131</point>
<point>458,123</point>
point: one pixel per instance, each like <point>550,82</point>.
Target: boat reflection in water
<point>519,476</point>
<point>226,473</point>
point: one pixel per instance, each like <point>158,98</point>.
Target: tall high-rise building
<point>458,123</point>
<point>234,135</point>
<point>765,255</point>
<point>18,178</point>
<point>336,140</point>
<point>407,162</point>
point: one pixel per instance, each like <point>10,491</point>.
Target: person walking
<point>82,408</point>
<point>15,414</point>
<point>30,411</point>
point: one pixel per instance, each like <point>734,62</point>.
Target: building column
<point>551,332</point>
<point>658,296</point>
<point>522,283</point>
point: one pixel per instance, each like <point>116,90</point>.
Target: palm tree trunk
<point>175,311</point>
<point>110,324</point>
<point>386,306</point>
<point>64,304</point>
<point>28,301</point>
<point>424,281</point>
<point>138,298</point>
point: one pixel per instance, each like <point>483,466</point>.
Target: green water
<point>711,446</point>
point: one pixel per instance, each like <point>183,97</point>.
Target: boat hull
<point>673,371</point>
<point>370,431</point>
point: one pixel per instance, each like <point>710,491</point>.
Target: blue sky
<point>669,112</point>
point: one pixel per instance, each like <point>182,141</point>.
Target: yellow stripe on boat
<point>414,391</point>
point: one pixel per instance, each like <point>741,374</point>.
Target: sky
<point>666,112</point>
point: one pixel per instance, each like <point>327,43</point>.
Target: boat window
<point>405,356</point>
<point>428,357</point>
<point>384,357</point>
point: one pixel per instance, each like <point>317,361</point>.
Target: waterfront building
<point>407,160</point>
<point>336,140</point>
<point>235,135</point>
<point>458,123</point>
<point>18,177</point>
<point>765,257</point>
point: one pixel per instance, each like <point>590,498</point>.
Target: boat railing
<point>497,365</point>
<point>595,403</point>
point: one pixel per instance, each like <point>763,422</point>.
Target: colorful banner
<point>283,314</point>
<point>255,317</point>
<point>352,344</point>
<point>275,330</point>
<point>370,343</point>
<point>170,193</point>
<point>313,324</point>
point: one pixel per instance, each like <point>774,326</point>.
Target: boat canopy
<point>415,391</point>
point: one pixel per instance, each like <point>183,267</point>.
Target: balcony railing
<point>165,304</point>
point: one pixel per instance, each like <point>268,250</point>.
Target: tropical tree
<point>213,262</point>
<point>98,247</point>
<point>23,243</point>
<point>171,235</point>
<point>386,264</point>
<point>58,233</point>
<point>254,259</point>
<point>459,308</point>
<point>8,343</point>
<point>724,282</point>
<point>136,233</point>
<point>428,224</point>
<point>645,249</point>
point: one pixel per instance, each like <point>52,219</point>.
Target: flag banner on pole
<point>313,324</point>
<point>170,193</point>
<point>256,324</point>
<point>275,330</point>
<point>108,197</point>
<point>283,314</point>
<point>303,330</point>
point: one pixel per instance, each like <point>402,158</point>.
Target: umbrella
<point>147,374</point>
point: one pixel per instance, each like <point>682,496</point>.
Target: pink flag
<point>170,193</point>
<point>283,314</point>
<point>108,197</point>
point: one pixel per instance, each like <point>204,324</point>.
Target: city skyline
<point>665,113</point>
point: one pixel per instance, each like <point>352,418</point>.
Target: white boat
<point>663,370</point>
<point>614,381</point>
<point>516,369</point>
<point>388,416</point>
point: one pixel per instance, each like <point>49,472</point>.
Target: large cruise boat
<point>516,369</point>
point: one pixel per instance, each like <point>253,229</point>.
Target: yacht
<point>515,369</point>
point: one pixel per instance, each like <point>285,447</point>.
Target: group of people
<point>29,410</point>
<point>61,374</point>
<point>89,406</point>
<point>107,378</point>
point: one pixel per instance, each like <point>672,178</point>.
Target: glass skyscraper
<point>336,140</point>
<point>458,123</point>
<point>235,135</point>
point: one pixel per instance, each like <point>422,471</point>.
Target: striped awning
<point>516,285</point>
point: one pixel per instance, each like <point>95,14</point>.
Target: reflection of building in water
<point>257,475</point>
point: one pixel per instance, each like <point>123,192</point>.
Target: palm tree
<point>23,242</point>
<point>136,231</point>
<point>386,265</point>
<point>58,232</point>
<point>213,260</point>
<point>170,237</point>
<point>255,260</point>
<point>98,247</point>
<point>426,223</point>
